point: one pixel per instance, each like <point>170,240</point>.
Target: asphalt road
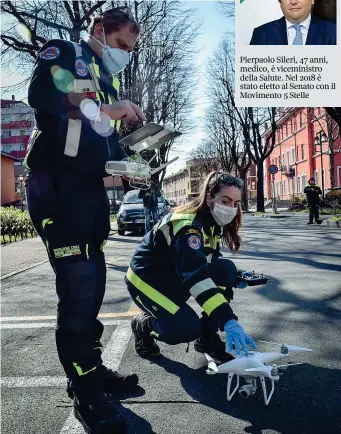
<point>301,304</point>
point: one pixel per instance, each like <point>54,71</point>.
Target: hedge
<point>15,224</point>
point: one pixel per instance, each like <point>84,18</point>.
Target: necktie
<point>298,38</point>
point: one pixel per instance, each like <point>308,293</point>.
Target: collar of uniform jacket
<point>88,53</point>
<point>209,222</point>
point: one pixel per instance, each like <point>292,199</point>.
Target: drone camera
<point>247,390</point>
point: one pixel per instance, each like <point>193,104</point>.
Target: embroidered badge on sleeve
<point>194,242</point>
<point>50,53</point>
<point>81,68</point>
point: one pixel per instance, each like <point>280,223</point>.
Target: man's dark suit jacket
<point>275,33</point>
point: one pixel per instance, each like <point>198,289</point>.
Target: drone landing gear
<point>229,382</point>
<point>266,396</point>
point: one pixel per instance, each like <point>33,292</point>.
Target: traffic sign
<point>273,169</point>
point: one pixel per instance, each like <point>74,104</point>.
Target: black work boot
<point>213,346</point>
<point>145,345</point>
<point>113,382</point>
<point>98,415</point>
<point>310,223</point>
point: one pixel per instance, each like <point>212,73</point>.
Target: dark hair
<point>114,20</point>
<point>212,185</point>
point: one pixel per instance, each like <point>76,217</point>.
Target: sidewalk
<point>22,254</point>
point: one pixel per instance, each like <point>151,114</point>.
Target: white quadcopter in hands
<point>148,138</point>
<point>251,366</point>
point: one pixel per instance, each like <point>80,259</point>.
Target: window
<point>303,178</point>
<point>22,132</point>
<point>288,186</point>
<point>283,160</point>
<point>295,123</point>
<point>18,163</point>
<point>284,187</point>
<point>281,187</point>
<point>6,134</point>
<point>293,156</point>
<point>299,185</point>
<point>7,149</point>
<point>302,151</point>
<point>316,176</point>
<point>301,119</point>
<point>288,158</point>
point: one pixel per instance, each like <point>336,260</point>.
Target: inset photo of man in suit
<point>298,26</point>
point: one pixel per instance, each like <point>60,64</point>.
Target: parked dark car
<point>130,216</point>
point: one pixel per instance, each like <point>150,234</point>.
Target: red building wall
<point>295,148</point>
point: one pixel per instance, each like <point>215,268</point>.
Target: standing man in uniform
<point>312,192</point>
<point>74,91</point>
<point>150,204</point>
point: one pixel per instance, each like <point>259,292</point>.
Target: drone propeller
<point>296,348</point>
<point>289,347</point>
<point>211,363</point>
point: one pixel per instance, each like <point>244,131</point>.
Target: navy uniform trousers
<point>185,325</point>
<point>71,214</point>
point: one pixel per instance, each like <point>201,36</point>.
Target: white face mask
<point>223,214</point>
<point>113,59</point>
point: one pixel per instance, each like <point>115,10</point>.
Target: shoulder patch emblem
<point>50,53</point>
<point>81,68</point>
<point>194,231</point>
<point>194,242</point>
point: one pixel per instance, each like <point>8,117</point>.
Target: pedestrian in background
<point>150,200</point>
<point>313,192</point>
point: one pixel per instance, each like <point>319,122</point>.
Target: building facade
<point>175,187</point>
<point>8,195</point>
<point>17,121</point>
<point>302,151</point>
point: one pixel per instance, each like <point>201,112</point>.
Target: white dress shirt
<point>291,32</point>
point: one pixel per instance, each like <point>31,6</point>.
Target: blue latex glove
<point>236,334</point>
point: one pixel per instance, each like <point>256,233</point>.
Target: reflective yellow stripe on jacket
<point>151,293</point>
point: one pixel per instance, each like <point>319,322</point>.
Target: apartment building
<point>302,151</point>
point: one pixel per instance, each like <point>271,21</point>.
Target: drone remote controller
<point>252,279</point>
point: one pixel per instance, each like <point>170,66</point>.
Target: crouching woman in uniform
<point>180,258</point>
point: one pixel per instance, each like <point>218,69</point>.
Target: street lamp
<point>319,140</point>
<point>21,180</point>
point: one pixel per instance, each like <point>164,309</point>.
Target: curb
<point>13,273</point>
<point>332,223</point>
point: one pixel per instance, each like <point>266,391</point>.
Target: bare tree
<point>227,8</point>
<point>205,158</point>
<point>252,130</point>
<point>223,125</point>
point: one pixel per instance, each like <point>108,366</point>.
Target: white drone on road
<point>148,138</point>
<point>251,366</point>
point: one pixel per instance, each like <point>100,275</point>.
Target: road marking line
<point>112,357</point>
<point>13,273</point>
<point>133,310</point>
<point>37,325</point>
<point>110,260</point>
<point>45,381</point>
